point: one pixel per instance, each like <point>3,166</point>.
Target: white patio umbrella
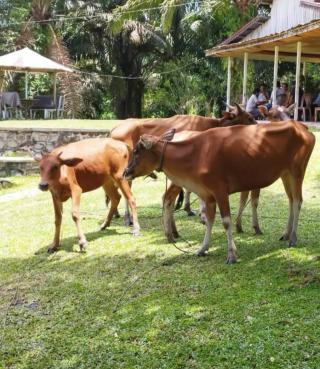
<point>28,61</point>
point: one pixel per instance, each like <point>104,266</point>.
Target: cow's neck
<point>171,156</point>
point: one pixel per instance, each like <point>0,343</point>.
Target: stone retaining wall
<point>43,139</point>
<point>16,166</point>
<point>37,140</point>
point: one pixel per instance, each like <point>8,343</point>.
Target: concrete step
<point>17,166</point>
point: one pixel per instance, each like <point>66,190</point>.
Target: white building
<point>283,30</point>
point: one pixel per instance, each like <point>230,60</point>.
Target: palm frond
<point>70,83</point>
<point>132,9</point>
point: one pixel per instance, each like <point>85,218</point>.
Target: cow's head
<point>236,115</point>
<point>50,165</point>
<point>276,113</point>
<point>144,160</point>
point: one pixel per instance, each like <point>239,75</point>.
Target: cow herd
<point>210,157</point>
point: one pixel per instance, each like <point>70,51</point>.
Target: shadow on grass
<point>146,305</point>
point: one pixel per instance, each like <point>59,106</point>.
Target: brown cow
<point>242,158</point>
<point>83,166</point>
<point>131,130</point>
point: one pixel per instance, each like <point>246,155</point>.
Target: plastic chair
<point>59,110</point>
<point>305,105</point>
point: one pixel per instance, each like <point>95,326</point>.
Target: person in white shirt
<point>253,103</point>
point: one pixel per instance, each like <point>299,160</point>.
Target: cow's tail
<point>180,200</point>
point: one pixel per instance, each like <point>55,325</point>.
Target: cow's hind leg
<point>210,209</point>
<point>254,206</point>
<point>76,192</point>
<point>187,206</point>
<point>242,204</point>
<point>114,196</point>
<point>58,219</point>
<point>116,213</point>
<point>169,198</point>
<point>296,190</point>
<point>126,190</point>
<point>287,186</point>
<point>224,207</point>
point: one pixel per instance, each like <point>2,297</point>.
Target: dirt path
<point>19,195</point>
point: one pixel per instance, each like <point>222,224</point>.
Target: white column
<point>245,79</point>
<point>229,83</point>
<point>275,75</point>
<point>298,67</point>
<point>26,87</point>
<point>55,88</point>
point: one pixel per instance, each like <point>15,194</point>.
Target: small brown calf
<point>84,166</point>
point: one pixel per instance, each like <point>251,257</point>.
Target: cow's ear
<point>146,142</point>
<point>70,162</point>
<point>168,135</point>
<point>228,115</point>
<point>238,108</point>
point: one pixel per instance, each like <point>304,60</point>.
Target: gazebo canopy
<point>26,60</point>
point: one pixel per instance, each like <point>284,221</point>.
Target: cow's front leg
<point>57,205</point>
<point>210,210</point>
<point>76,192</point>
<point>202,212</point>
<point>169,198</point>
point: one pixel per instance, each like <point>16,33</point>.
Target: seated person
<point>292,94</point>
<point>253,103</point>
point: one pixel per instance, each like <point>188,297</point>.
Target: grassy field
<point>140,303</point>
<point>60,123</point>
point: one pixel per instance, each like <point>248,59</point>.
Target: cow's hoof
<point>239,228</point>
<point>103,226</point>
<point>203,221</point>
<point>52,249</point>
<point>135,232</point>
<point>116,216</point>
<point>284,237</point>
<point>190,213</point>
<point>83,245</point>
<point>257,231</point>
<point>128,223</point>
<point>176,235</point>
<point>170,238</point>
<point>231,260</point>
<point>201,253</point>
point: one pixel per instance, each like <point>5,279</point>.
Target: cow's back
<point>246,155</point>
<point>102,158</point>
<point>131,130</point>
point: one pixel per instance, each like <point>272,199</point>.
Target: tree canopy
<point>138,58</point>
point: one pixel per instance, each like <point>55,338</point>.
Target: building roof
<point>245,30</point>
<point>27,60</point>
<point>263,48</point>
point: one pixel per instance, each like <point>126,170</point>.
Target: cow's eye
<point>55,167</point>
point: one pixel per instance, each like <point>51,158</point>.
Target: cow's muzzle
<point>43,186</point>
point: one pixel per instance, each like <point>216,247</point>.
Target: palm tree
<point>38,22</point>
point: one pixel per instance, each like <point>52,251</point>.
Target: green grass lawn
<point>140,303</point>
<point>60,123</point>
